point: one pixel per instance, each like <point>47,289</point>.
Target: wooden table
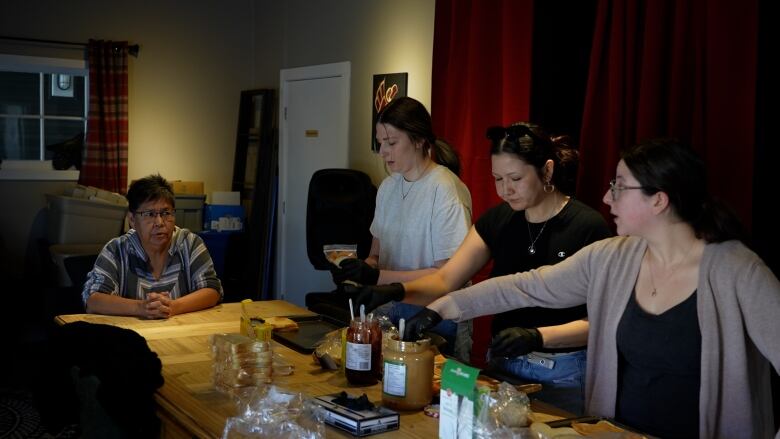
<point>189,405</point>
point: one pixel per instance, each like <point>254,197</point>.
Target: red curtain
<point>481,77</point>
<point>105,159</point>
<point>673,68</point>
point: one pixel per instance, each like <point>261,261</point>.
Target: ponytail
<point>717,223</point>
<point>443,154</point>
<point>566,162</point>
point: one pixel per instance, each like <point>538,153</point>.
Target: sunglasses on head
<point>512,133</point>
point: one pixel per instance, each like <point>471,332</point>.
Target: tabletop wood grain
<point>190,406</point>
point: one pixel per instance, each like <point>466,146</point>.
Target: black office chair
<point>77,267</point>
<point>339,211</point>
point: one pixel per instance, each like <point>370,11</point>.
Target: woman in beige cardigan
<point>683,316</point>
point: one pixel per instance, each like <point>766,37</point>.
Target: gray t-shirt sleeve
<point>451,222</point>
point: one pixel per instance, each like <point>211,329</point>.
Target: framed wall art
<point>387,86</point>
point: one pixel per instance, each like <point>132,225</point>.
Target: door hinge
<point>285,113</point>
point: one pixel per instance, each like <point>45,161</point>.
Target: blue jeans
<point>396,311</point>
<point>562,377</point>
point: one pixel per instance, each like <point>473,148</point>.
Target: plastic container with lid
<point>408,374</point>
<point>83,221</point>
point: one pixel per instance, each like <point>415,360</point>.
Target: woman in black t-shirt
<point>537,224</point>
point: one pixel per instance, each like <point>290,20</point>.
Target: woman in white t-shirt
<point>423,210</point>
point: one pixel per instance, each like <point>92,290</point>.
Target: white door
<point>314,134</point>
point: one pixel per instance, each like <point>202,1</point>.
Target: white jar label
<point>358,356</point>
<point>394,379</point>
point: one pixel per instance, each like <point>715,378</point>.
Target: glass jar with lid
<point>408,374</point>
<point>363,352</point>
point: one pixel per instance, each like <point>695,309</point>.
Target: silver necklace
<point>532,247</point>
<point>669,274</point>
<point>403,195</point>
<point>403,179</point>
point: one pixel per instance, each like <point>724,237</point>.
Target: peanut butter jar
<point>408,374</point>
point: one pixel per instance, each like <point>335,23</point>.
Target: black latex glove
<point>420,323</point>
<point>355,270</point>
<point>513,342</point>
<point>374,295</point>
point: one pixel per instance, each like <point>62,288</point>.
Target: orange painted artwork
<point>386,87</point>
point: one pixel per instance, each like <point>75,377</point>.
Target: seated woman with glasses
<point>683,316</point>
<point>155,270</point>
<point>537,224</point>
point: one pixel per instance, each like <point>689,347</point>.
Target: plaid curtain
<point>105,159</point>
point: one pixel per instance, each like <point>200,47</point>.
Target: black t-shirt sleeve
<point>490,225</point>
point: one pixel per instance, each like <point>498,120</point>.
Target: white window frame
<point>42,169</point>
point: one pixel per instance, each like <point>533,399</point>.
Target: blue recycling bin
<point>217,244</point>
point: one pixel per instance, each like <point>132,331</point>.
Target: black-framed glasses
<point>150,215</point>
<point>513,132</point>
<point>615,189</point>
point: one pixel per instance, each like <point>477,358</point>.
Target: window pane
<point>59,131</point>
<point>19,93</point>
<point>67,97</point>
<point>20,139</point>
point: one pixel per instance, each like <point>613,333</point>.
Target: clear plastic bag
<point>335,253</point>
<point>281,366</point>
<point>269,412</point>
<point>328,350</point>
<point>502,414</point>
<point>512,406</point>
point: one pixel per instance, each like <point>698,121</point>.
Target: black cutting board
<point>311,329</point>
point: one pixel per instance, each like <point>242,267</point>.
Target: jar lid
<point>418,346</point>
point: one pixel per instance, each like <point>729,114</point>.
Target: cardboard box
<point>226,198</point>
<point>456,400</point>
<point>187,187</point>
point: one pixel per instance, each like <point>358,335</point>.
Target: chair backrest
<point>78,267</point>
<point>339,211</point>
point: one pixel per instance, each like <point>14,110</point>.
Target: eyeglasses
<point>150,215</point>
<point>615,189</point>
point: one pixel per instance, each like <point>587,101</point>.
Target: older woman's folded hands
<point>157,305</point>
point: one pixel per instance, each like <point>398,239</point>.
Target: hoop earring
<point>548,188</point>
